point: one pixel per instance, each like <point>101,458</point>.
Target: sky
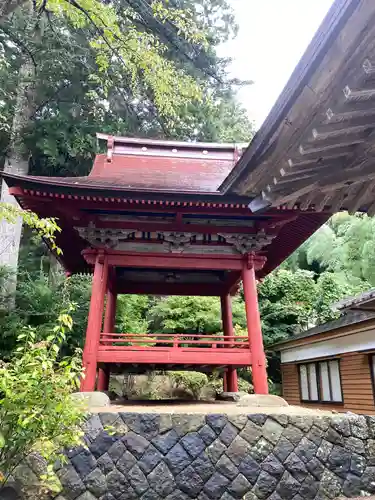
<point>273,36</point>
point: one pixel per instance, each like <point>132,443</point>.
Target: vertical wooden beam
<point>227,319</point>
<point>232,380</point>
<point>102,383</point>
<point>104,372</point>
<point>94,323</point>
<point>110,310</point>
<point>225,381</point>
<point>258,357</point>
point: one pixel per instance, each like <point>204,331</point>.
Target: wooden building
<point>162,217</point>
<point>333,365</point>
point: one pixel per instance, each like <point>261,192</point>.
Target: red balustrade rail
<point>114,341</point>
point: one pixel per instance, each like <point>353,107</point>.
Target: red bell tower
<point>149,219</point>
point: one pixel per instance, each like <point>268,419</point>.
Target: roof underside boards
<point>316,149</point>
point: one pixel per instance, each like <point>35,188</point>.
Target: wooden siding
<point>356,384</point>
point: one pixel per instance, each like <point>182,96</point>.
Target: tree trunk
<point>17,162</point>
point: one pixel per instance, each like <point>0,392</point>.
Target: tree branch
<point>19,44</point>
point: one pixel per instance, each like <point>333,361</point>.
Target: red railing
<point>114,341</point>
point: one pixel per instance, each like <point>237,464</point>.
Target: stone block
<point>217,422</point>
<point>116,450</point>
<point>257,418</point>
<point>324,450</point>
<point>265,485</point>
<point>273,466</point>
<point>229,396</point>
<point>339,461</point>
<point>228,434</point>
<point>250,468</point>
<point>105,463</point>
<point>145,424</point>
<point>150,459</point>
<point>341,424</point>
<point>261,449</point>
<point>215,450</point>
<point>281,419</point>
<point>296,467</point>
<point>161,480</point>
<point>315,435</point>
<point>309,488</point>
<point>96,483</point>
<point>216,486</point>
<point>91,399</point>
<point>183,424</point>
<point>368,480</point>
<point>357,464</point>
<point>164,442</point>
<point>302,422</point>
<point>135,444</point>
<point>71,482</point>
<point>117,483</point>
<point>306,450</point>
<point>316,468</point>
<point>283,448</point>
<point>272,430</point>
<point>261,400</point>
<point>251,432</point>
<point>238,450</point>
<point>93,426</point>
<point>177,459</point>
<point>239,421</point>
<point>352,486</point>
<point>358,426</point>
<point>101,444</point>
<point>288,486</point>
<point>293,434</point>
<point>193,444</point>
<point>207,434</point>
<point>354,445</point>
<point>138,480</point>
<point>203,466</point>
<point>334,437</point>
<point>239,487</point>
<point>330,485</point>
<point>125,463</point>
<point>226,467</point>
<point>190,482</point>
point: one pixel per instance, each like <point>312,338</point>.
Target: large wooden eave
<point>316,148</point>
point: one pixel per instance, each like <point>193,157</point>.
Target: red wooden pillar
<point>225,381</point>
<point>94,323</point>
<point>109,327</point>
<point>230,377</point>
<point>110,310</point>
<point>258,358</point>
<point>102,383</point>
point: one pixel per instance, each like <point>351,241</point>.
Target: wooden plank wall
<point>356,385</point>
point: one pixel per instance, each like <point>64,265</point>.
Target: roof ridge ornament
<point>110,146</point>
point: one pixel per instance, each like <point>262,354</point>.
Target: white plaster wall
<point>361,341</point>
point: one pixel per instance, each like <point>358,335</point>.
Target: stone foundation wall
<point>212,457</point>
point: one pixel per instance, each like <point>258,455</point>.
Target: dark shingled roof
<point>350,318</point>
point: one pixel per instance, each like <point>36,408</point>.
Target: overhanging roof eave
<point>330,28</point>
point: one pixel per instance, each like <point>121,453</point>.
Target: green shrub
<point>191,381</point>
<point>37,412</point>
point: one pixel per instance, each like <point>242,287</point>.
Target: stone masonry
<point>212,457</point>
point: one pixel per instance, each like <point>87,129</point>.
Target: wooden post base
<point>102,383</point>
<point>232,380</point>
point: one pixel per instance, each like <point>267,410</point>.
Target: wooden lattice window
<point>320,382</point>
